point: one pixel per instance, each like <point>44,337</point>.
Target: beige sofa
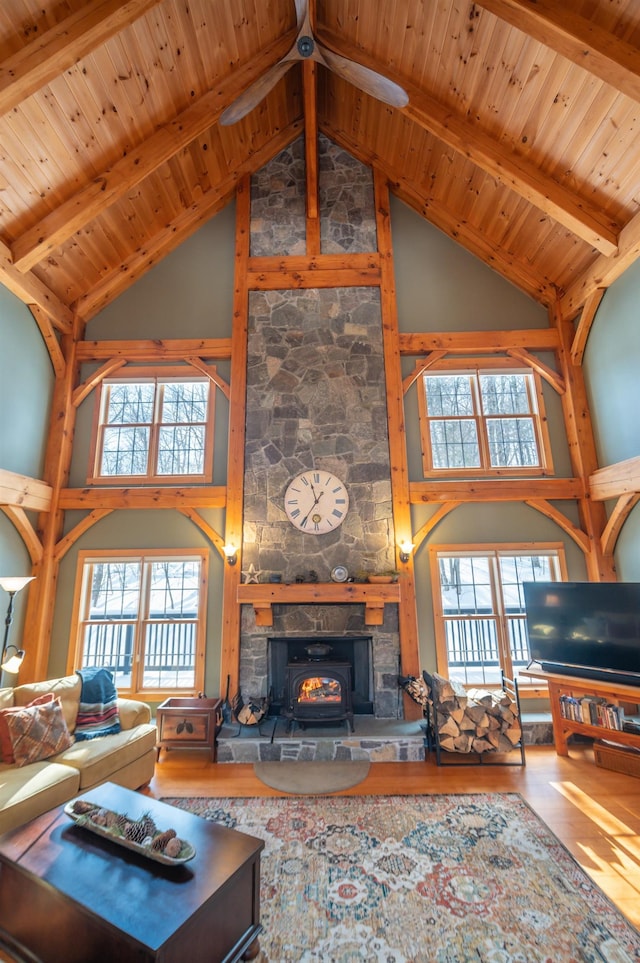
<point>126,757</point>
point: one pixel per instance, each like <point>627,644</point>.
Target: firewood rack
<point>488,758</point>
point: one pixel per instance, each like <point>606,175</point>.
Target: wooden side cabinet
<point>188,724</point>
<point>578,688</point>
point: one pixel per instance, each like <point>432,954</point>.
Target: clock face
<point>316,502</point>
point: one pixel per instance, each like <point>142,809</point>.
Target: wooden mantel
<point>263,596</point>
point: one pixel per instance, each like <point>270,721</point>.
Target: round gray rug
<point>312,778</point>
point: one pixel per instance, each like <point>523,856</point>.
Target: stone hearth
<point>379,740</point>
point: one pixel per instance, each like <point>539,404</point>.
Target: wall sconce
<point>12,584</point>
<point>405,550</point>
<point>231,554</point>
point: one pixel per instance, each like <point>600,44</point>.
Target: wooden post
<point>582,450</point>
<point>407,616</point>
<point>42,596</point>
<point>230,654</point>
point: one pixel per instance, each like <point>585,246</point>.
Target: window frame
<point>495,550</point>
<point>156,375</point>
<point>474,368</point>
<point>145,556</point>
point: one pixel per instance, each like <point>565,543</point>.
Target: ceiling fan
<point>306,47</point>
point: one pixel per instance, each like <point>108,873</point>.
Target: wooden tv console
<point>571,685</point>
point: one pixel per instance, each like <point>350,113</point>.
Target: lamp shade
<point>13,663</point>
<point>14,583</point>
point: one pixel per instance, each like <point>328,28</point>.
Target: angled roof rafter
<point>518,173</point>
<point>59,48</point>
<point>576,38</point>
<point>104,190</point>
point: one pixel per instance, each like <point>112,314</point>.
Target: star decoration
<point>252,574</point>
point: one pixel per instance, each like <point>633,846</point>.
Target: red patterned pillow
<point>6,745</point>
<point>38,732</point>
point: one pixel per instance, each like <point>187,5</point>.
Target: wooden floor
<point>594,812</point>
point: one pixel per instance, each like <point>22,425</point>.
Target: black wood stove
<point>318,690</point>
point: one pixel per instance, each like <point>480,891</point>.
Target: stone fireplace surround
<point>316,397</point>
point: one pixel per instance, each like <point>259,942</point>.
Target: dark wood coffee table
<point>68,894</point>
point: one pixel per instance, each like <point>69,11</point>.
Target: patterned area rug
<point>421,879</point>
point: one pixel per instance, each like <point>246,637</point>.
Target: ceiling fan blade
<point>252,96</point>
<point>368,80</point>
<point>302,13</point>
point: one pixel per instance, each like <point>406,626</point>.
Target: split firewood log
<point>478,714</point>
<point>513,734</point>
<point>449,727</point>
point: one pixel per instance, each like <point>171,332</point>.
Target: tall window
<point>483,421</point>
<point>154,429</point>
<point>479,608</point>
<point>142,617</point>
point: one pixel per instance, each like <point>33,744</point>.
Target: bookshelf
<point>569,687</point>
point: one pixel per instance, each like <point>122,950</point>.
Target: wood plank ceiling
<point>520,139</point>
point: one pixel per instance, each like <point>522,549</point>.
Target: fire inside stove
<point>320,689</point>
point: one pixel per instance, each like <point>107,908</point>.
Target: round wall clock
<point>316,502</point>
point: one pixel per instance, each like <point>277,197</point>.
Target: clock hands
<point>315,502</point>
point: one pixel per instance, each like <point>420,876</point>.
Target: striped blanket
<point>98,709</point>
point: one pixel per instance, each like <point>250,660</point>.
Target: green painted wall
<point>188,295</point>
<point>26,386</point>
<point>612,366</point>
<point>441,287</point>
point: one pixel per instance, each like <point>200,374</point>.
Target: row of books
<point>592,710</point>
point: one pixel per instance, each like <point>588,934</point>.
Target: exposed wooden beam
<point>518,272</point>
<point>21,491</point>
<point>230,647</point>
<point>310,90</point>
<point>622,478</point>
<point>584,43</point>
<point>116,181</point>
<point>346,277</point>
<point>500,490</point>
<point>160,350</point>
<point>104,371</point>
<point>68,540</point>
<point>480,342</point>
<point>25,529</point>
<point>621,511</point>
<point>177,231</point>
<point>47,331</point>
<point>59,48</point>
<point>546,508</point>
<point>205,496</point>
<point>517,173</point>
<point>30,291</point>
<point>584,325</point>
<point>582,451</point>
<point>407,615</point>
<point>552,377</point>
<point>603,272</point>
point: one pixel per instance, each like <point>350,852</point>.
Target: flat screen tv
<point>588,629</point>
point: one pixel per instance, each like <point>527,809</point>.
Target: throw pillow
<point>98,709</point>
<point>6,745</point>
<point>38,732</point>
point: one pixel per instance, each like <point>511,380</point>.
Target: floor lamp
<point>12,584</point>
